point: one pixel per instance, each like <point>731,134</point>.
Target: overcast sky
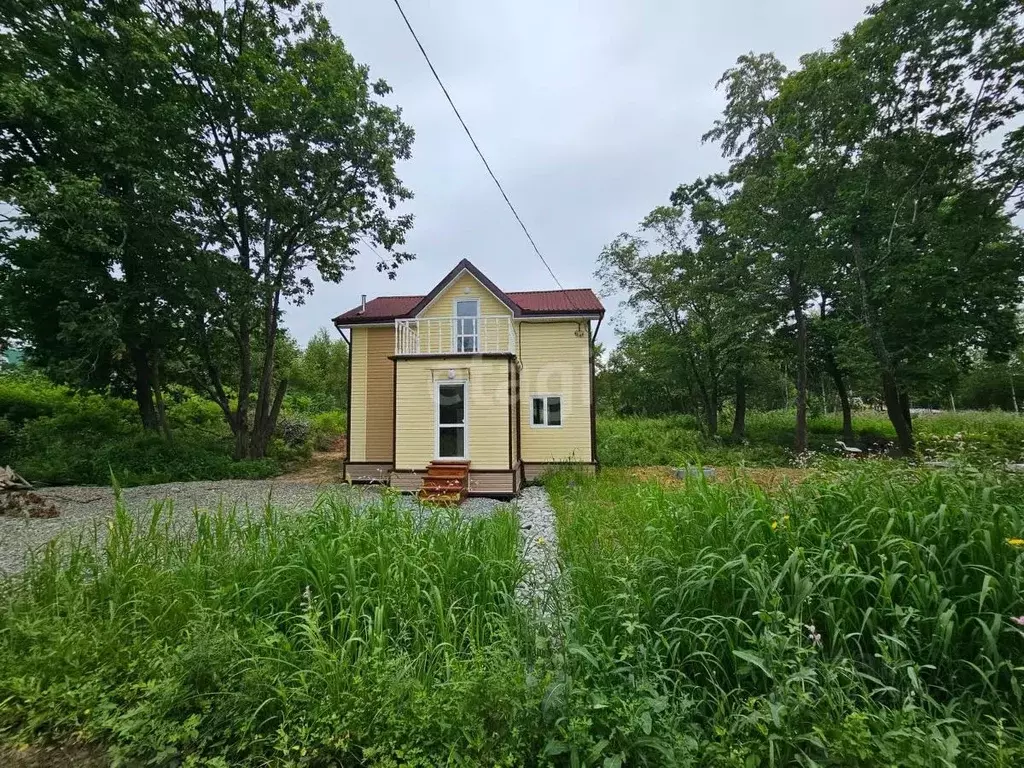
<point>590,113</point>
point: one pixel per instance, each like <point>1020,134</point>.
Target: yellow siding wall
<point>487,396</point>
<point>357,396</point>
<point>556,362</point>
<point>372,394</point>
<point>465,287</point>
<point>380,393</point>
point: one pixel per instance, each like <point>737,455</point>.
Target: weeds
<point>381,637</point>
<point>868,616</point>
<point>856,616</point>
<point>976,437</point>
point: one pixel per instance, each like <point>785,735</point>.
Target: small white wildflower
<point>813,634</point>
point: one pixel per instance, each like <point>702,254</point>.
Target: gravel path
<point>537,517</point>
<point>83,507</point>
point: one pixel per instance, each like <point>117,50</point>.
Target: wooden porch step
<point>446,482</point>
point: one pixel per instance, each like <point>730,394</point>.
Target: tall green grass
<point>387,637</point>
<point>859,619</point>
<point>863,618</point>
<point>980,437</point>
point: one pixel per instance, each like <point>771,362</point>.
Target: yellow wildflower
<point>1015,542</point>
<point>775,525</point>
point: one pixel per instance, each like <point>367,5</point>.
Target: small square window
<point>546,411</point>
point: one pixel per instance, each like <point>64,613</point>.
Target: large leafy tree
<point>680,273</point>
<point>904,125</point>
<point>320,371</point>
<point>776,211</point>
<point>299,168</point>
<point>93,139</point>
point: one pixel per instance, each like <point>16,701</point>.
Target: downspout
<point>348,408</point>
<point>593,399</point>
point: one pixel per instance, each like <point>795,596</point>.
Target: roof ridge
<point>552,290</point>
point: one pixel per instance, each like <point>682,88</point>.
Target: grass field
<point>869,616</point>
<point>860,618</point>
<point>985,437</point>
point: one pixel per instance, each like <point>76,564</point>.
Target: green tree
<point>321,370</point>
<point>93,140</point>
<point>299,167</point>
<point>775,212</point>
<point>681,275</point>
<point>903,125</point>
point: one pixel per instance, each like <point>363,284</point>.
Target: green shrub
<point>27,396</point>
<point>294,431</point>
<point>328,427</point>
<point>53,436</point>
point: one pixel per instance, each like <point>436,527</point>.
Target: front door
<point>451,420</point>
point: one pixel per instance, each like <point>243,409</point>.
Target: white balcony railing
<point>455,335</point>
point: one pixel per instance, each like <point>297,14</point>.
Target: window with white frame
<point>467,326</point>
<point>546,411</point>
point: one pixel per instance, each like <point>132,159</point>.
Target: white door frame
<point>465,419</point>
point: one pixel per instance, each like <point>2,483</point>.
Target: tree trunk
<point>158,396</point>
<point>894,406</point>
<point>712,419</point>
<point>240,420</point>
<point>261,435</point>
<point>144,388</point>
<point>800,437</point>
<point>844,396</point>
<point>872,323</point>
<point>905,409</point>
<point>739,419</point>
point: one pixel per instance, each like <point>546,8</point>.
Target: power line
<point>481,154</point>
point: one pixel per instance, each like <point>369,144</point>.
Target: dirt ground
<point>323,467</point>
<point>769,479</point>
<point>55,756</point>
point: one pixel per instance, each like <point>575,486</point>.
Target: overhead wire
<point>483,159</point>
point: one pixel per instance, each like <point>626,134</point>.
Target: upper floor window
<point>546,411</point>
<point>467,325</point>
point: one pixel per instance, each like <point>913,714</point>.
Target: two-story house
<point>468,389</point>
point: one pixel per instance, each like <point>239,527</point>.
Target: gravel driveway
<point>82,507</point>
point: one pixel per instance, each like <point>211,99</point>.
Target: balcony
<point>489,334</point>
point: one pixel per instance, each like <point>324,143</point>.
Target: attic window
<point>546,411</point>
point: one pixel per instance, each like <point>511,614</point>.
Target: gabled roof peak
<point>466,266</point>
<point>571,302</point>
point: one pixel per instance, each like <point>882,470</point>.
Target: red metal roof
<point>382,308</point>
<point>582,300</point>
<point>572,301</point>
